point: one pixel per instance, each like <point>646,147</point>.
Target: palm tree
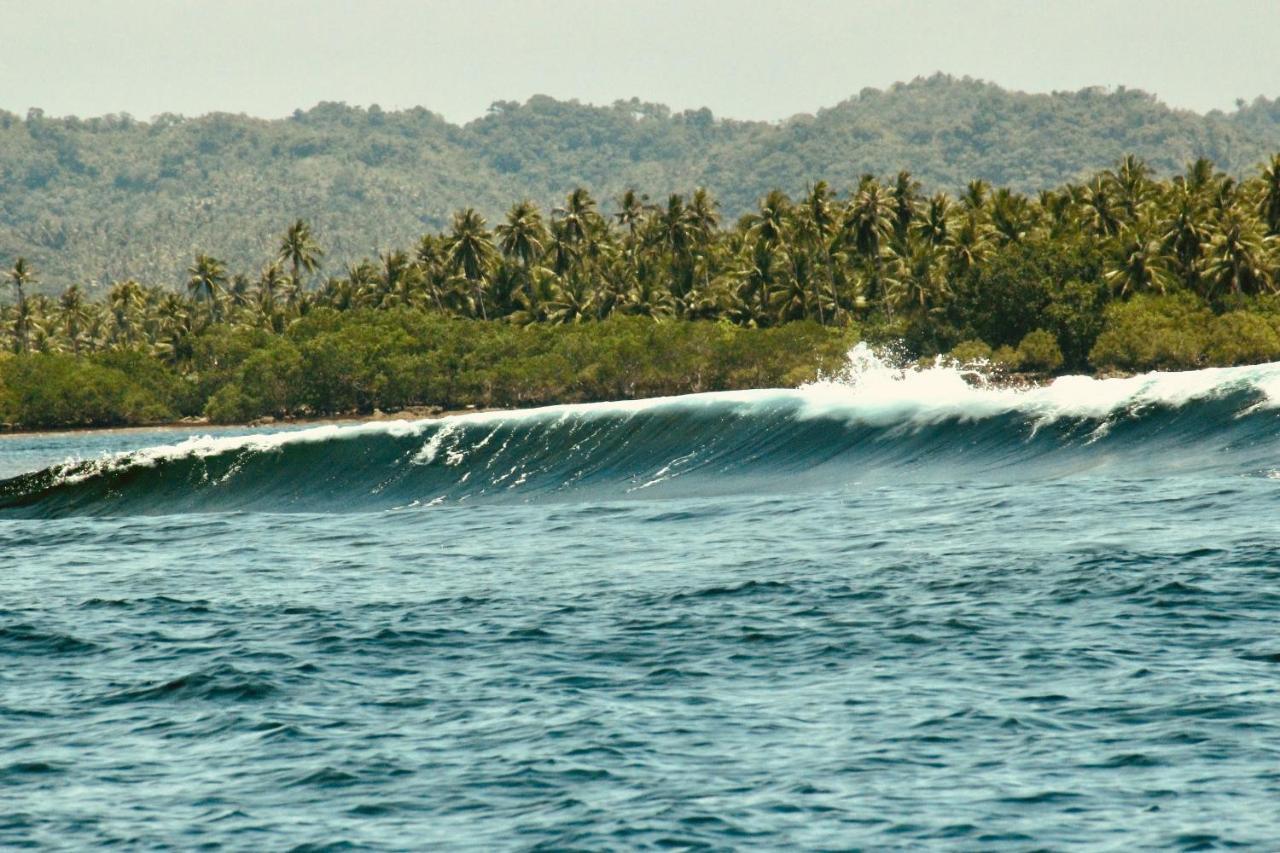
<point>1238,259</point>
<point>974,197</point>
<point>1270,205</point>
<point>1011,216</point>
<point>20,276</point>
<point>968,244</point>
<point>299,249</point>
<point>125,302</point>
<point>271,282</point>
<point>905,193</point>
<point>1133,185</point>
<point>207,275</point>
<point>935,221</point>
<point>75,316</point>
<point>1137,264</point>
<point>470,252</point>
<point>522,236</point>
<point>1186,234</point>
<point>632,210</point>
<point>1102,213</point>
<point>704,214</point>
<point>918,286</point>
<point>578,216</point>
<point>868,223</point>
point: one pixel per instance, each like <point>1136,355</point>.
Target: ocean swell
<point>875,423</point>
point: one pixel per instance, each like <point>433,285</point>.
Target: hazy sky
<point>742,58</point>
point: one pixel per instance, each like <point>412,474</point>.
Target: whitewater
<point>895,608</point>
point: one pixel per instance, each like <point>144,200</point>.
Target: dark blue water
<point>916,617</point>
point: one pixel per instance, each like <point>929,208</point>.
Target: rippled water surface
<point>826,628</point>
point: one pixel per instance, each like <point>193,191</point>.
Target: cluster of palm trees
<point>886,250</point>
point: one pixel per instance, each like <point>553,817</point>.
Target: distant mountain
<point>102,199</point>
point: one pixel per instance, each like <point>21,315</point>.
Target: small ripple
<point>217,683</point>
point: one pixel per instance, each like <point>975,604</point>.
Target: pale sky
<point>756,59</point>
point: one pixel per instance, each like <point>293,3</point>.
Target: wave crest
<point>874,422</point>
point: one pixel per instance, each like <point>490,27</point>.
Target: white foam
<point>872,390</point>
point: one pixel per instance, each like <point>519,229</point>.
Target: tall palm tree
<point>299,249</point>
<point>1011,216</point>
<point>918,285</point>
<point>522,236</point>
<point>974,197</point>
<point>470,252</point>
<point>632,210</point>
<point>74,311</point>
<point>935,221</point>
<point>125,304</point>
<point>1186,234</point>
<point>20,276</point>
<point>1137,264</point>
<point>206,277</point>
<point>1102,214</point>
<point>1238,260</point>
<point>906,200</point>
<point>1270,204</point>
<point>867,226</point>
<point>578,216</point>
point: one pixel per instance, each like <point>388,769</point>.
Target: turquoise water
<point>895,611</point>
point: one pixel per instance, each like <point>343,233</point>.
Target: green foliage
<point>1039,352</point>
<point>1074,315</point>
<point>366,360</point>
<point>43,390</point>
<point>110,198</point>
<point>1241,337</point>
<point>971,352</point>
<point>1005,357</point>
<point>1121,272</point>
<point>1153,332</point>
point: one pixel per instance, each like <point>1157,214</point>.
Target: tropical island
<point>1123,271</point>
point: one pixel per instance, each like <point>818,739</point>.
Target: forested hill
<point>104,199</point>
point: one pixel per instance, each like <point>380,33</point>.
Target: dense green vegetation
<point>331,362</point>
<point>1123,271</point>
<point>93,201</point>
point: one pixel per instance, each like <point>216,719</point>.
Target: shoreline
<point>421,413</point>
<point>413,413</point>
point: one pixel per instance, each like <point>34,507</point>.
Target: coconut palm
<point>522,236</point>
<point>1137,264</point>
<point>299,249</point>
<point>206,278</point>
<point>20,276</point>
<point>1238,258</point>
<point>125,305</point>
<point>470,252</point>
<point>1270,203</point>
<point>578,216</point>
<point>74,313</point>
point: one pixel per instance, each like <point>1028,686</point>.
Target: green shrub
<point>229,405</point>
<point>971,352</point>
<point>1005,357</point>
<point>1039,351</point>
<point>1242,338</point>
<point>1153,332</point>
<point>47,390</point>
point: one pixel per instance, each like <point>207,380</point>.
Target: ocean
<point>890,610</point>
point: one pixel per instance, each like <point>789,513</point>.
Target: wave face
<point>873,424</point>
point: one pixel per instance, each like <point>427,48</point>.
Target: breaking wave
<point>875,423</point>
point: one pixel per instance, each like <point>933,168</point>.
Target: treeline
<point>330,362</point>
<point>1120,271</point>
<point>105,199</point>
